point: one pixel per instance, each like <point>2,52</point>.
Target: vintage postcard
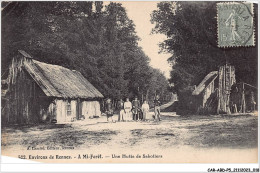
<point>129,82</point>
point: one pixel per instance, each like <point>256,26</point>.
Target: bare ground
<point>226,131</point>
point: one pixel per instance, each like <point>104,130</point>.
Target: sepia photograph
<point>130,81</point>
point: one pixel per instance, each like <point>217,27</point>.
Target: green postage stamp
<point>235,24</point>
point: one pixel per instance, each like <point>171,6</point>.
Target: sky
<point>140,12</point>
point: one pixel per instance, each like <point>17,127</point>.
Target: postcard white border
<point>9,164</point>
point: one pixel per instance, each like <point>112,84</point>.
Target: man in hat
<point>109,109</point>
<point>120,107</point>
<point>136,108</point>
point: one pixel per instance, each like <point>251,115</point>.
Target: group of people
<point>132,111</point>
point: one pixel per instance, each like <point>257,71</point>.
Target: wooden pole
<point>219,90</point>
<point>243,99</point>
<point>225,90</point>
<point>228,90</point>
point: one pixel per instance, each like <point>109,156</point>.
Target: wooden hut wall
<point>25,100</point>
<point>73,111</point>
<point>200,102</point>
<point>207,93</point>
<point>91,108</point>
<point>60,114</point>
<point>51,112</point>
<point>226,80</point>
<point>63,114</point>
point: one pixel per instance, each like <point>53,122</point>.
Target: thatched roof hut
<point>213,93</point>
<point>204,91</point>
<point>39,91</point>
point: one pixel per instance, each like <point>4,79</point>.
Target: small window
<point>68,108</point>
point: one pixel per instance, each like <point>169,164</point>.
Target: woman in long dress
<point>145,110</point>
<point>128,108</point>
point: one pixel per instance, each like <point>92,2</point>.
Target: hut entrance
<point>79,109</point>
<point>243,98</point>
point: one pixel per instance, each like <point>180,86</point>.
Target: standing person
<point>234,98</point>
<point>136,109</point>
<point>145,110</point>
<point>109,109</point>
<point>120,106</point>
<point>252,101</point>
<point>157,105</point>
<point>128,108</point>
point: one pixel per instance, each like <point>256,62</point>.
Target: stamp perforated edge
<point>253,24</point>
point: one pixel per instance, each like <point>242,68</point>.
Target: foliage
<point>99,41</point>
<point>191,30</point>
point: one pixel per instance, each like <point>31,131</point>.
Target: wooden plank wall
<point>226,80</point>
<point>26,101</point>
<point>91,108</point>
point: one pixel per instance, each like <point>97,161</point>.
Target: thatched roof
<point>205,82</point>
<point>57,81</point>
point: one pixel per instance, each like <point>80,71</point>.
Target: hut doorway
<point>79,109</point>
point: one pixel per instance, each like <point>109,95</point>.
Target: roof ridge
<point>26,55</point>
<point>202,84</point>
<point>54,65</point>
<point>59,81</point>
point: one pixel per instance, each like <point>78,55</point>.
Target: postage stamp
<point>235,24</point>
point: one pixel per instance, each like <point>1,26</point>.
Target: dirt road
<point>173,132</point>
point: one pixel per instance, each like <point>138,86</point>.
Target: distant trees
<point>99,41</point>
<point>191,30</point>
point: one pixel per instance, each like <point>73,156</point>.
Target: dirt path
<point>172,134</point>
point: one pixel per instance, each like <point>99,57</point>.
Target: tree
<point>191,30</point>
<point>99,41</point>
